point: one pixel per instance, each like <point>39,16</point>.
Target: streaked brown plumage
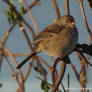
<point>58,39</point>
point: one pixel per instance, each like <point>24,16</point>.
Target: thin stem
<point>56,8</point>
<point>28,69</point>
<point>31,17</point>
<point>63,87</point>
<point>26,36</point>
<point>34,3</point>
<point>4,39</point>
<point>45,63</point>
<point>76,73</point>
<point>67,12</point>
<point>12,69</point>
<point>85,19</point>
<point>14,61</point>
<point>30,28</point>
<point>68,80</point>
<point>60,77</point>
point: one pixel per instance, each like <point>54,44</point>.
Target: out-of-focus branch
<point>60,77</point>
<point>41,69</point>
<point>85,19</point>
<point>68,80</point>
<point>77,75</point>
<point>34,3</point>
<point>85,60</point>
<point>18,14</point>
<point>30,29</point>
<point>31,17</point>
<point>45,63</point>
<point>67,7</point>
<point>26,36</point>
<point>12,69</point>
<point>28,69</point>
<point>14,75</point>
<point>53,70</point>
<point>83,77</point>
<point>63,87</point>
<point>14,61</point>
<point>84,48</point>
<point>56,8</point>
<point>4,39</point>
<point>16,54</point>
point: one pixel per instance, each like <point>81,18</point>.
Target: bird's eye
<point>67,21</point>
<point>71,20</point>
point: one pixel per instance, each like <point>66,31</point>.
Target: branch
<point>4,39</point>
<point>14,61</point>
<point>85,19</point>
<point>31,17</point>
<point>60,77</point>
<point>67,7</point>
<point>56,8</point>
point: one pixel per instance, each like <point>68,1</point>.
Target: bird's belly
<point>61,45</point>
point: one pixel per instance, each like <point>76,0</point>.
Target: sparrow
<point>58,39</point>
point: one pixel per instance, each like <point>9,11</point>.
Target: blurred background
<point>16,43</point>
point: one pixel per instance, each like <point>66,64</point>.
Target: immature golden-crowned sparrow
<point>58,39</point>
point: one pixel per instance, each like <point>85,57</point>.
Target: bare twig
<point>26,37</point>
<point>31,17</point>
<point>16,54</point>
<point>63,87</point>
<point>45,63</point>
<point>60,77</point>
<point>68,80</point>
<point>14,61</point>
<point>56,8</point>
<point>28,69</point>
<point>84,18</point>
<point>12,69</point>
<point>41,69</point>
<point>30,29</point>
<point>85,60</point>
<point>53,70</point>
<point>67,7</point>
<point>77,75</point>
<point>4,39</point>
<point>34,3</point>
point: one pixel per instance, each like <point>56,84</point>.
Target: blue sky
<point>44,16</point>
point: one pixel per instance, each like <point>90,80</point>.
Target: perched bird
<point>58,39</point>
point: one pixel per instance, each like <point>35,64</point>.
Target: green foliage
<point>45,86</point>
<point>22,10</point>
<point>12,16</point>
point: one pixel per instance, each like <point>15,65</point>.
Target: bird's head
<point>67,21</point>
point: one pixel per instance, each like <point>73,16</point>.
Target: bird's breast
<point>60,44</point>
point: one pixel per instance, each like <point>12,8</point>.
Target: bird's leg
<point>65,59</point>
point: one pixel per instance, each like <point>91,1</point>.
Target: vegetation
<point>15,15</point>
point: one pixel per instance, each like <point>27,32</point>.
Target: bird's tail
<point>25,60</point>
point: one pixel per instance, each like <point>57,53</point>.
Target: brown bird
<point>58,39</point>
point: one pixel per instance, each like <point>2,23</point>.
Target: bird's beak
<point>73,23</point>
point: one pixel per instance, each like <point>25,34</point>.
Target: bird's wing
<point>48,32</point>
